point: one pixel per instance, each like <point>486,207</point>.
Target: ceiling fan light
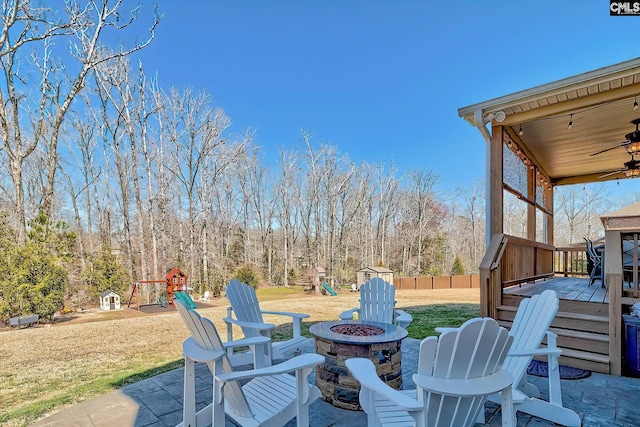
<point>632,173</point>
<point>633,148</point>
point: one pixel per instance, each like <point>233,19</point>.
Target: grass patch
<point>425,320</point>
<point>46,369</point>
<point>273,293</point>
<point>31,412</point>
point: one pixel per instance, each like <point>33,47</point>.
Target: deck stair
<point>582,329</point>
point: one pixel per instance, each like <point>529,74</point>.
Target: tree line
<point>108,178</point>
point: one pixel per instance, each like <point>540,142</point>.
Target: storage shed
<point>367,273</point>
<point>109,300</point>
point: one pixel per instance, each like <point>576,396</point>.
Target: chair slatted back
<point>532,321</point>
<point>477,349</point>
<point>205,335</point>
<point>377,301</point>
<point>591,251</point>
<point>244,302</point>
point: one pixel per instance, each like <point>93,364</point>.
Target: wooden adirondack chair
<point>272,397</point>
<point>378,304</point>
<point>529,328</point>
<point>248,316</point>
<point>456,373</point>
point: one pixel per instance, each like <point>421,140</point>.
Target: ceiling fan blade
<point>622,144</point>
<point>611,173</point>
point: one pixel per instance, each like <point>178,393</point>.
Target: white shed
<point>109,300</point>
<point>367,273</point>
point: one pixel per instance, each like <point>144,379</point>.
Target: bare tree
<point>422,183</point>
<point>574,212</point>
<point>40,87</point>
<point>473,210</point>
<point>287,196</point>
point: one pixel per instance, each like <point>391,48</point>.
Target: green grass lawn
<point>425,320</point>
<point>151,345</point>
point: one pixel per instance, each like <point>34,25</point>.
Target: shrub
<point>33,277</point>
<point>457,267</point>
<point>246,274</point>
<point>103,272</point>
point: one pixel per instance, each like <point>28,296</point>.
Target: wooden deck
<point>571,289</point>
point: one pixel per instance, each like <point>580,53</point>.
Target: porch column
<point>548,202</point>
<point>613,281</point>
<point>531,208</point>
<point>495,177</point>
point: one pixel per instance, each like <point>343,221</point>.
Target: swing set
<point>176,287</point>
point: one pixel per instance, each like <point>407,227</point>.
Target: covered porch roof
<point>600,105</point>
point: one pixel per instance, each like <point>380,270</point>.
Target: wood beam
<point>548,202</point>
<point>531,209</point>
<point>586,179</point>
<point>496,198</point>
<point>613,281</point>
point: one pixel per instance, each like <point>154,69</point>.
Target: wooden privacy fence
<point>463,281</point>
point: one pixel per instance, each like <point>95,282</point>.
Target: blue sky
<point>381,80</point>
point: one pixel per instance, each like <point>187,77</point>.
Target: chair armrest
<point>365,373</point>
<point>537,352</point>
<point>551,350</point>
<point>198,354</point>
<point>295,317</point>
<point>348,315</point>
<point>246,342</point>
<point>465,387</point>
<point>284,313</point>
<point>403,319</point>
<point>252,325</point>
<point>308,360</point>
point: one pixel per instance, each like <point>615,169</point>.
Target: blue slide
<point>328,289</point>
<point>185,298</point>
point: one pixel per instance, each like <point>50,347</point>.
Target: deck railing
<point>511,260</point>
<point>571,261</point>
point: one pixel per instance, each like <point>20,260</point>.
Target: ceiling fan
<point>631,168</point>
<point>632,143</point>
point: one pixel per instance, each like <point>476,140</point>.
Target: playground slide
<point>328,289</point>
<point>185,298</point>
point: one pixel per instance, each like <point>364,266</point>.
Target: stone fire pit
<point>340,340</point>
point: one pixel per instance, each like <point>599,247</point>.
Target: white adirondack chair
<point>456,373</point>
<point>378,304</point>
<point>272,397</point>
<point>529,328</point>
<point>206,297</point>
<point>248,316</point>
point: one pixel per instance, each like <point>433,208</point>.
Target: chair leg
<point>189,398</point>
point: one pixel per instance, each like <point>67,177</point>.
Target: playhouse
<point>176,282</point>
<point>109,300</point>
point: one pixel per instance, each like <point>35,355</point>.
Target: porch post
<point>495,183</point>
<point>548,203</point>
<point>531,208</point>
<point>613,281</point>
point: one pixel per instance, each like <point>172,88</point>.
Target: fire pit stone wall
<point>333,379</point>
